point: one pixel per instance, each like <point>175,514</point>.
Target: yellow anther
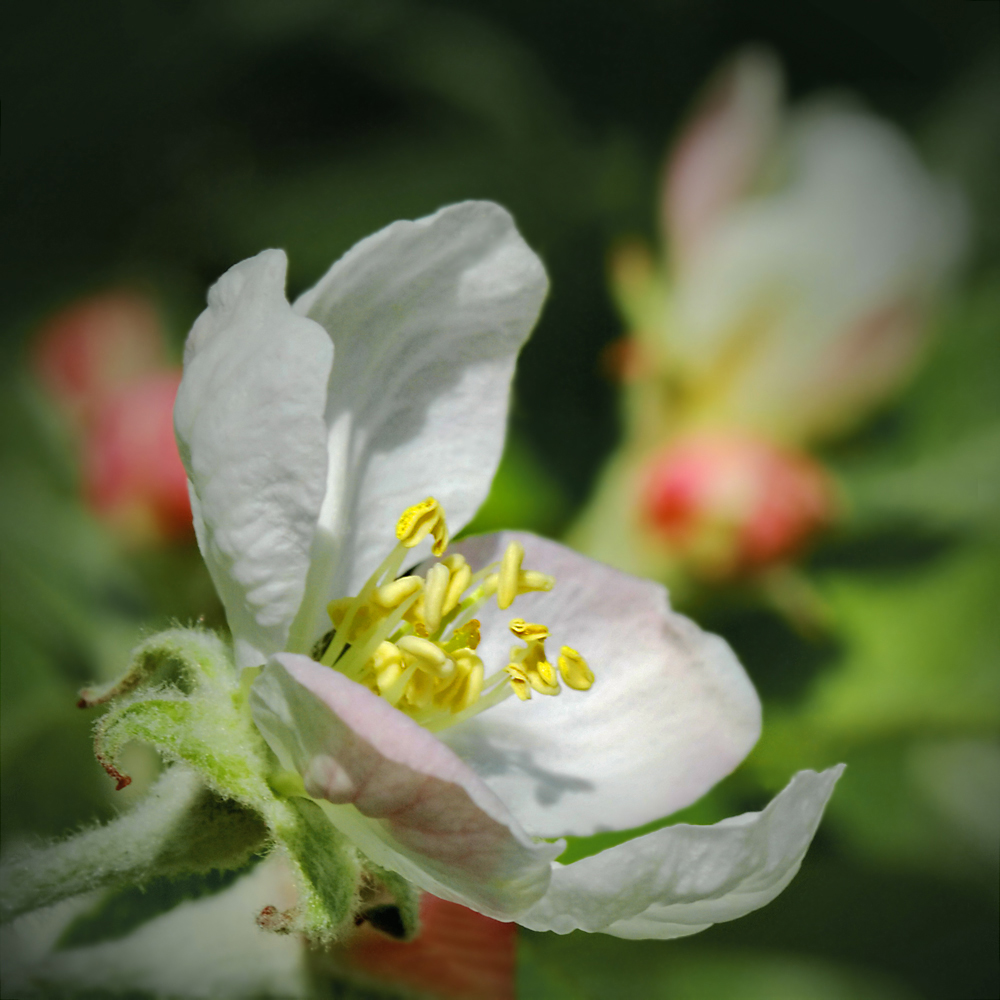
<point>391,595</point>
<point>420,690</point>
<point>576,672</point>
<point>387,662</point>
<point>529,580</point>
<point>386,654</point>
<point>420,520</point>
<point>542,677</point>
<point>427,655</point>
<point>338,609</point>
<point>364,618</point>
<point>461,576</point>
<point>510,570</point>
<point>420,629</point>
<point>518,681</point>
<point>385,680</point>
<point>471,687</point>
<point>435,592</point>
<point>489,586</point>
<point>528,631</point>
<point>467,636</point>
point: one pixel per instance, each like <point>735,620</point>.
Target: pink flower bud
<point>459,954</point>
<point>730,504</point>
<point>95,346</point>
<point>132,473</point>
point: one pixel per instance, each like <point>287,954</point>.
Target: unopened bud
<point>732,504</point>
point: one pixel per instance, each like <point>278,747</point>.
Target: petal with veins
<point>249,422</point>
<point>428,318</point>
<point>400,794</point>
<point>682,879</point>
<point>670,713</point>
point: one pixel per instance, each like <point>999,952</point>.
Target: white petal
<point>670,713</point>
<point>682,879</point>
<point>428,318</point>
<point>249,421</point>
<point>402,796</point>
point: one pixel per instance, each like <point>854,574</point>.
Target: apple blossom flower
<point>804,254</point>
<point>411,695</point>
<point>807,250</point>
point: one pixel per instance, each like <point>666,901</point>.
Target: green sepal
<point>183,696</point>
<point>209,734</point>
<point>326,868</point>
<point>198,659</point>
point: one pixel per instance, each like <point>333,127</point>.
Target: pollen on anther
<point>416,522</point>
<point>575,670</point>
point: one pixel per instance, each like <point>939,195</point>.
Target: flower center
<point>413,639</point>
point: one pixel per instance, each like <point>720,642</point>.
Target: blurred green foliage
<point>153,145</point>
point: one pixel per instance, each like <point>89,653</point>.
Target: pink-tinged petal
<point>720,152</point>
<point>671,710</point>
<point>249,422</point>
<point>458,955</point>
<point>428,318</point>
<point>399,793</point>
<point>682,879</point>
<point>821,285</point>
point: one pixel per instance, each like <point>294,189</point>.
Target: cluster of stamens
<point>412,639</point>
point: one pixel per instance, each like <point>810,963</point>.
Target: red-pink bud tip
<point>732,504</point>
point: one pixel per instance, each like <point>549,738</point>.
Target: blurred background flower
<point>103,364</point>
<point>151,146</point>
<point>804,255</point>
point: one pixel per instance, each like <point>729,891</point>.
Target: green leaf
<point>583,966</point>
<point>119,913</point>
<point>179,827</point>
<point>922,654</point>
<point>942,464</point>
<point>924,804</point>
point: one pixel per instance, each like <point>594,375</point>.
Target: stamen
<point>387,662</point>
<point>435,592</point>
<point>387,570</point>
<point>527,631</point>
<point>519,681</point>
<point>510,570</point>
<point>461,577</point>
<point>413,640</point>
<point>575,670</point>
<point>391,595</point>
<point>466,636</point>
<point>428,656</point>
<point>530,579</point>
<point>471,688</point>
<point>416,522</point>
